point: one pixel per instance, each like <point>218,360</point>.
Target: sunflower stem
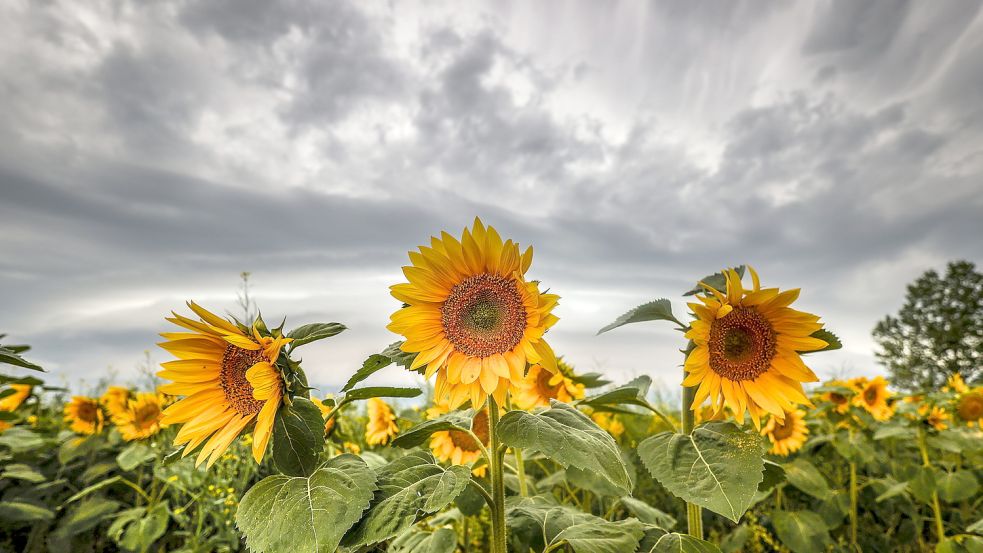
<point>498,542</point>
<point>694,514</point>
<point>853,505</point>
<point>521,472</point>
<point>936,508</point>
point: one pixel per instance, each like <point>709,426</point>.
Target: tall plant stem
<point>936,508</point>
<point>694,513</point>
<point>853,505</point>
<point>497,480</point>
<point>520,469</point>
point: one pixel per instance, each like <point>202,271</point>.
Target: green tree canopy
<point>938,332</point>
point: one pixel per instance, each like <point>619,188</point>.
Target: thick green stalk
<point>694,514</point>
<point>520,470</point>
<point>498,542</point>
<point>853,505</point>
<point>936,508</point>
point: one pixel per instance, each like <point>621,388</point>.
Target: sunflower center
<point>971,407</point>
<point>742,344</point>
<point>870,396</point>
<point>838,399</point>
<point>484,315</point>
<point>479,425</point>
<point>238,391</point>
<point>543,383</point>
<point>87,411</point>
<point>783,430</point>
<point>146,415</point>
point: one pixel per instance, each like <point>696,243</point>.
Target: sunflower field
<point>508,449</point>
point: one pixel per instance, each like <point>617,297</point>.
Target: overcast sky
<point>150,151</point>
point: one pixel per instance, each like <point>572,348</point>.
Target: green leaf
<point>899,431</point>
<point>632,393</point>
<point>804,475</point>
<point>647,513</point>
<point>442,540</point>
<point>962,543</point>
<point>19,511</point>
<point>83,517</point>
<point>375,362</point>
<point>892,490</point>
<point>854,446</point>
<point>568,437</point>
<point>313,332</point>
<point>134,455</point>
<point>801,531</point>
<point>601,536</point>
<point>408,487</point>
<point>420,433</point>
<point>121,520</point>
<point>657,540</point>
<point>284,513</point>
<point>590,380</point>
<point>11,358</point>
<point>832,340</point>
<point>924,483</point>
<point>470,502</point>
<point>97,486</point>
<point>718,466</point>
<point>593,482</point>
<point>298,437</point>
<point>976,527</point>
<point>381,391</point>
<point>400,357</point>
<point>774,474</point>
<point>29,380</point>
<point>20,471</point>
<point>716,280</point>
<point>143,532</point>
<point>957,486</point>
<point>20,440</point>
<point>658,310</point>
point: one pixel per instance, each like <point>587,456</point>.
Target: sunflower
<point>707,413</point>
<point>471,317</point>
<point>457,447</point>
<point>325,411</point>
<point>85,415</point>
<point>141,418</point>
<point>115,400</point>
<point>840,401</point>
<point>957,384</point>
<point>610,423</point>
<point>11,402</point>
<point>786,436</point>
<point>540,386</point>
<point>872,396</point>
<point>935,416</point>
<point>970,407</point>
<point>746,349</point>
<point>229,379</point>
<point>382,423</point>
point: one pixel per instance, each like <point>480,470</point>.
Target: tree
<point>938,332</point>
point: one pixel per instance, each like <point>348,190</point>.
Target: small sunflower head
<point>84,415</point>
<point>970,406</point>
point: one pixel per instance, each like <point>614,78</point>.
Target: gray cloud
<point>153,152</point>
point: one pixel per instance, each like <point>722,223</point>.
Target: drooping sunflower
<point>957,384</point>
<point>540,386</point>
<point>457,447</point>
<point>141,418</point>
<point>786,436</point>
<point>970,407</point>
<point>115,401</point>
<point>840,400</point>
<point>85,415</point>
<point>471,317</point>
<point>935,416</point>
<point>873,397</point>
<point>11,402</point>
<point>229,379</point>
<point>382,423</point>
<point>747,346</point>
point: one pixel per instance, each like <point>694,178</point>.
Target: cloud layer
<point>154,151</point>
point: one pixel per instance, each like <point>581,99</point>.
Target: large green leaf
<point>718,466</point>
<point>420,433</point>
<point>413,540</point>
<point>832,340</point>
<point>409,487</point>
<point>658,310</point>
<point>538,521</point>
<point>83,517</point>
<point>647,513</point>
<point>19,511</point>
<point>21,440</point>
<point>374,363</point>
<point>313,332</point>
<point>298,437</point>
<point>134,455</point>
<point>601,536</point>
<point>804,475</point>
<point>381,391</point>
<point>284,513</point>
<point>20,471</point>
<point>10,357</point>
<point>956,486</point>
<point>144,531</point>
<point>568,437</point>
<point>657,540</point>
<point>923,483</point>
<point>632,393</point>
<point>801,531</point>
